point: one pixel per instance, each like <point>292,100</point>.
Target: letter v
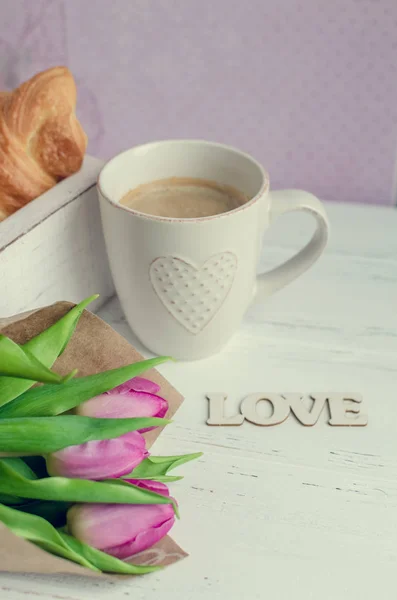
<point>307,416</point>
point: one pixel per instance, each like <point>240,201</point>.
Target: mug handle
<point>281,202</point>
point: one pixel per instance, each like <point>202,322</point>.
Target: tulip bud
<point>151,485</point>
<point>134,398</point>
<point>140,384</point>
<point>120,529</point>
<point>99,459</point>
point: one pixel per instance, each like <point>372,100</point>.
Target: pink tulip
<point>151,485</point>
<point>140,384</point>
<point>100,459</point>
<point>134,398</point>
<point>120,529</point>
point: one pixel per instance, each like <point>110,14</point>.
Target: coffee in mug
<point>184,198</point>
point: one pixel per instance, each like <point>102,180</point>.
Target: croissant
<point>41,140</point>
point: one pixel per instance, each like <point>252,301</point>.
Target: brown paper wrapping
<point>94,347</point>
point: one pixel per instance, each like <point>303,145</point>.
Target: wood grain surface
<point>285,511</point>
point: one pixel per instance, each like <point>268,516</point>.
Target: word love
<point>344,409</point>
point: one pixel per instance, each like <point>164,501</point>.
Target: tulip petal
<point>123,402</point>
<point>143,541</point>
<point>101,459</point>
<point>139,384</point>
<point>151,485</point>
<point>120,528</point>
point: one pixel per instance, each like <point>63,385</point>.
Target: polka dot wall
<point>309,87</point>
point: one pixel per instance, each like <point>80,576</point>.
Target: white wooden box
<point>53,248</point>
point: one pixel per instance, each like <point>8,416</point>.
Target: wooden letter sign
<point>345,409</point>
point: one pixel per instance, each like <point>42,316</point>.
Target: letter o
<point>279,404</point>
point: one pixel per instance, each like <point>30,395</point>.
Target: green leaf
<point>165,478</point>
<point>157,467</point>
<point>20,467</point>
<point>10,500</point>
<point>51,400</point>
<point>46,347</point>
<point>16,361</point>
<point>114,491</point>
<point>37,530</point>
<point>104,562</point>
<point>42,435</point>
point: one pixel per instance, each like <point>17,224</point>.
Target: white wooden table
<point>286,511</point>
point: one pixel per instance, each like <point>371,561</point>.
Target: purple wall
<point>307,86</point>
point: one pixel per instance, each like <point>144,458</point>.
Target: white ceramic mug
<point>185,284</point>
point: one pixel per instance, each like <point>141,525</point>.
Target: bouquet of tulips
<point>76,478</point>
